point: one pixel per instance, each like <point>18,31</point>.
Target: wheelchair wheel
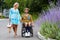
<point>23,29</point>
<point>22,32</point>
<point>31,31</point>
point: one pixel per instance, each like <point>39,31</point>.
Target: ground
<point>4,35</point>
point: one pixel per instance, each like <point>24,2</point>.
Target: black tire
<point>23,29</point>
<point>22,33</point>
<point>31,31</point>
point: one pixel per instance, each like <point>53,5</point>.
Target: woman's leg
<point>15,29</point>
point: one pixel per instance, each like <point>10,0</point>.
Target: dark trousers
<point>28,28</point>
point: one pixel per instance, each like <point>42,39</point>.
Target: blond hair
<point>16,3</point>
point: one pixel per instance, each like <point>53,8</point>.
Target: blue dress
<point>14,16</point>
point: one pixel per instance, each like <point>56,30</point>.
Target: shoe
<point>15,35</point>
<point>28,34</point>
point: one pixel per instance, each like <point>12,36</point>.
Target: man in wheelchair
<point>27,22</point>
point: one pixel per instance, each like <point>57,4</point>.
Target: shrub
<point>49,30</point>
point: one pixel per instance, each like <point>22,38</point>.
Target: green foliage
<point>54,1</point>
<point>38,5</point>
<point>34,5</point>
<point>50,30</point>
<point>34,15</point>
<point>2,17</point>
<point>58,35</point>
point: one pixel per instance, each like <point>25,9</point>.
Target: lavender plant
<point>50,23</point>
<point>52,16</point>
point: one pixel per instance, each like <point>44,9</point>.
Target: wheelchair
<point>27,29</point>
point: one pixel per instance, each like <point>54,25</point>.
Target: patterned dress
<point>14,16</point>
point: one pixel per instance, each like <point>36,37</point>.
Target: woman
<point>14,17</point>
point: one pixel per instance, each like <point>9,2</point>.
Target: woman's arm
<point>19,16</point>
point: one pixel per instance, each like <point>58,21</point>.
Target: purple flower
<point>52,16</point>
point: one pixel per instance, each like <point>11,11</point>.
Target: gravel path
<point>4,35</point>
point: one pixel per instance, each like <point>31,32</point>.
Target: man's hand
<point>25,24</point>
<point>33,24</point>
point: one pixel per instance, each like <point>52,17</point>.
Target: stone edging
<point>43,38</point>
